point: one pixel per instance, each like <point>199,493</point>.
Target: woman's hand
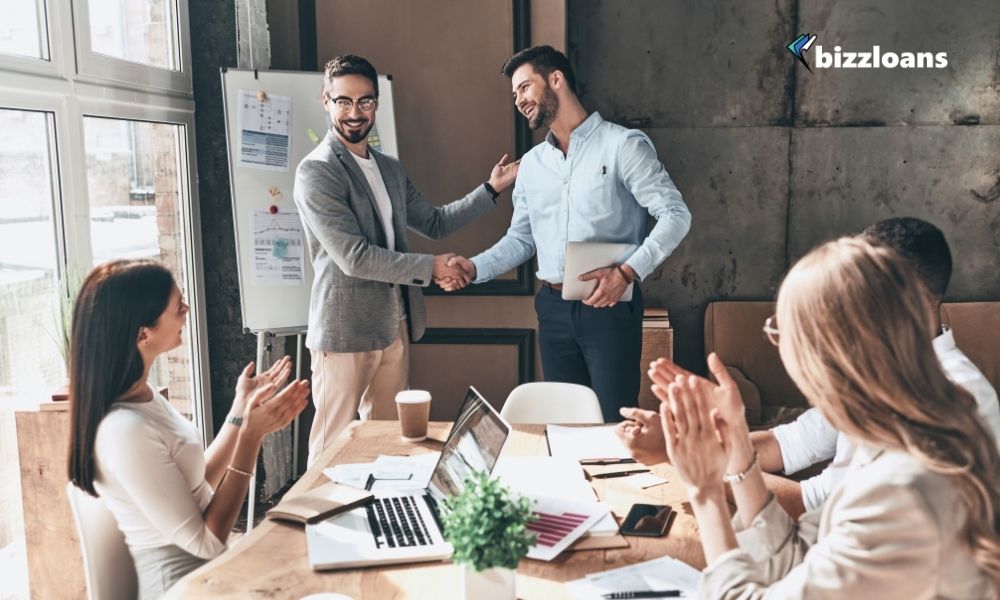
<point>696,436</point>
<point>247,384</point>
<point>724,397</point>
<point>268,412</point>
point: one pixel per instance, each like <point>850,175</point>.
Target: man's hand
<point>611,284</point>
<point>642,435</point>
<point>504,174</point>
<point>450,276</point>
<point>466,266</point>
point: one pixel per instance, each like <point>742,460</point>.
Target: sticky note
<point>275,192</point>
<point>280,248</point>
<point>313,136</point>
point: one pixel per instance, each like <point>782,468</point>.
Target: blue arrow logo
<point>799,47</point>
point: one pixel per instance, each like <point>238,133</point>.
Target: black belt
<point>555,286</point>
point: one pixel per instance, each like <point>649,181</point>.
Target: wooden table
<point>272,561</point>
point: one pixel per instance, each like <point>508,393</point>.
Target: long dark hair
<point>115,301</point>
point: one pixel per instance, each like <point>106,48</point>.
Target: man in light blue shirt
<point>590,181</point>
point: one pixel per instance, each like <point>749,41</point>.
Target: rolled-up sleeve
<point>806,441</point>
<point>650,184</point>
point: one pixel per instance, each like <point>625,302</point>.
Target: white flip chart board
<point>273,119</point>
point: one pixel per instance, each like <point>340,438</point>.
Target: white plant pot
<point>491,584</point>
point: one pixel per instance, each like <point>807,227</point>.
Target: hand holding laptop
<point>612,282</point>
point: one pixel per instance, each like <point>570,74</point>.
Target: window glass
<point>135,186</point>
<point>142,32</point>
<point>31,328</point>
<point>22,29</point>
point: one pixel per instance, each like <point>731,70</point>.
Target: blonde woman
<point>918,515</point>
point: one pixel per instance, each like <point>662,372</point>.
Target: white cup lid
<point>413,396</point>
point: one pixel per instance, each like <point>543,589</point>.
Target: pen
<point>619,474</point>
<point>606,461</point>
<point>652,594</point>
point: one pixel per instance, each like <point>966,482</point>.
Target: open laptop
<point>583,257</point>
<point>402,527</point>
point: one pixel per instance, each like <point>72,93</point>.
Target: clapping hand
<point>248,383</point>
<point>697,438</point>
<point>268,411</point>
<point>503,174</point>
<point>724,397</point>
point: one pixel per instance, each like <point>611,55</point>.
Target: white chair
<point>107,564</point>
<point>546,402</point>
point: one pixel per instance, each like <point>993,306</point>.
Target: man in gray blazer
<point>366,304</point>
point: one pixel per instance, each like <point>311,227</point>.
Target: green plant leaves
<point>487,525</point>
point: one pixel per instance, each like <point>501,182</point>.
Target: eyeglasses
<point>771,329</point>
<point>366,104</point>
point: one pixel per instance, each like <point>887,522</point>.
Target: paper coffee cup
<point>414,408</point>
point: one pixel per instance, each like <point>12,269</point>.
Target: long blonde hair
<point>859,332</point>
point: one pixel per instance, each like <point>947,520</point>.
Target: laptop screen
<point>474,444</point>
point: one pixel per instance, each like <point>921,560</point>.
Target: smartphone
<point>652,520</point>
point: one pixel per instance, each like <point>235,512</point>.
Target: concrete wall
<point>773,159</point>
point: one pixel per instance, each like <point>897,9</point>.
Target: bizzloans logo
<point>876,59</point>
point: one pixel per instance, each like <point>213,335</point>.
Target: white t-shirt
<point>811,439</point>
<point>151,476</point>
<point>370,168</point>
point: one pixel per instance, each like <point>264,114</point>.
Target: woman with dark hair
<point>174,502</point>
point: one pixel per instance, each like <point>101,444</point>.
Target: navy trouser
<point>596,347</point>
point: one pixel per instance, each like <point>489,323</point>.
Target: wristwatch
<point>492,192</point>
<point>234,420</point>
<point>732,478</point>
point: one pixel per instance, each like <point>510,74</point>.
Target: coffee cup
<point>414,407</point>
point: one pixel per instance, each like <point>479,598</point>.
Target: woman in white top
<point>918,515</point>
<point>175,502</point>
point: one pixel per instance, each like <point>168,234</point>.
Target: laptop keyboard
<point>397,523</point>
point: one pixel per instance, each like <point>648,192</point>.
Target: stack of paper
<point>585,442</point>
<point>662,574</point>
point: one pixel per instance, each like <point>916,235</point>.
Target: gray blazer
<point>351,308</point>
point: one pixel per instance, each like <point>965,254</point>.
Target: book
<point>319,503</point>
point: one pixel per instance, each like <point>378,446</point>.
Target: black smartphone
<point>651,520</point>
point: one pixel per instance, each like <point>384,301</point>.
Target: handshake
<point>453,272</point>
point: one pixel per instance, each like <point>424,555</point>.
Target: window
<point>32,347</point>
<point>23,31</point>
<point>96,131</point>
<point>136,190</point>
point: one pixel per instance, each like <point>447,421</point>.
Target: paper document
<point>265,127</point>
<point>654,575</point>
<point>387,472</point>
<point>585,442</point>
<point>558,523</point>
<point>278,248</point>
<point>553,477</point>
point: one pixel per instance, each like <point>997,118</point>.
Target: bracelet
<point>234,420</point>
<point>239,471</point>
<point>738,477</point>
<point>490,189</point>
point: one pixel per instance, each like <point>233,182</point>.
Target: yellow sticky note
<point>275,193</point>
<point>313,136</point>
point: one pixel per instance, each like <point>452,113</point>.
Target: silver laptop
<point>582,257</point>
<point>400,527</point>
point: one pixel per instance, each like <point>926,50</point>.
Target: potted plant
<point>486,525</point>
<point>68,286</point>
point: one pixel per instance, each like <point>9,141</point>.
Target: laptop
<point>403,527</point>
<point>583,257</point>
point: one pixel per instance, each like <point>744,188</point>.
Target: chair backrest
<point>546,402</point>
<point>107,564</point>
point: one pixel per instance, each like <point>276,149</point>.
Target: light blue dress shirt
<point>600,191</point>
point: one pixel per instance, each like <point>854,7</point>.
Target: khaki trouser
<point>345,384</point>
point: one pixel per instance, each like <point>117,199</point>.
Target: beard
<point>353,138</point>
<point>545,110</point>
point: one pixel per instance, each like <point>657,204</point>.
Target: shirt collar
<point>582,131</point>
<point>945,342</point>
